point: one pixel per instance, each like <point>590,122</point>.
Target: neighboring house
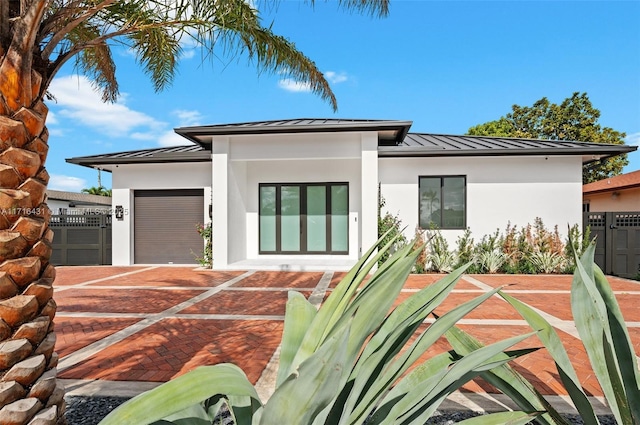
<point>60,202</point>
<point>304,193</point>
<point>615,194</point>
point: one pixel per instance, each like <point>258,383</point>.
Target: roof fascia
<point>202,156</point>
<point>597,153</point>
<point>612,189</point>
<point>192,133</point>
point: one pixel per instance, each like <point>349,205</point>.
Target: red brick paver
<point>74,333</point>
<point>121,300</point>
<point>529,282</point>
<point>68,275</point>
<point>172,277</point>
<point>243,302</point>
<point>177,344</point>
<point>281,280</point>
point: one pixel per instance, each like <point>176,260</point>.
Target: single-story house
<point>304,193</point>
<point>614,194</point>
<point>62,202</point>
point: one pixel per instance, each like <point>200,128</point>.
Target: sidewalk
<point>123,330</point>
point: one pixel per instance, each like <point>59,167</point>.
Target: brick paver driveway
<point>155,323</point>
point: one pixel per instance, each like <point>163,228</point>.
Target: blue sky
<point>444,65</point>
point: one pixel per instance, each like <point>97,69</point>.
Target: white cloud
<point>171,138</point>
<point>289,84</point>
<point>66,183</point>
<point>188,118</point>
<point>633,139</point>
<point>52,118</point>
<point>336,77</point>
<point>77,99</point>
<point>187,53</point>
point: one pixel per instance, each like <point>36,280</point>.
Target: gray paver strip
<point>266,384</point>
<point>102,279</point>
<point>91,349</point>
<point>320,290</point>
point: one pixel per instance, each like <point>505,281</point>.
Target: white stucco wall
<point>499,190</point>
<point>243,162</point>
<point>309,171</point>
<point>129,177</point>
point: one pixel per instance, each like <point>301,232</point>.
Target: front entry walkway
<point>125,329</point>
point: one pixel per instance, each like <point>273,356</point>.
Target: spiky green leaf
<point>181,393</point>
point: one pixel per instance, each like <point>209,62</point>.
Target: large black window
<point>443,202</point>
<point>304,218</point>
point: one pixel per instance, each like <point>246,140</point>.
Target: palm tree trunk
<point>29,392</point>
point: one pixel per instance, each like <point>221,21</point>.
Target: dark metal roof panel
<point>425,145</point>
<point>483,145</point>
<point>190,153</point>
<point>405,145</point>
<point>200,134</point>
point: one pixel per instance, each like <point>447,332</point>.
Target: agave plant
<point>547,261</point>
<point>605,338</point>
<point>442,262</point>
<point>491,261</point>
<point>347,363</point>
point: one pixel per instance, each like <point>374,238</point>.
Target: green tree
<point>574,119</point>
<point>99,190</point>
<point>37,37</point>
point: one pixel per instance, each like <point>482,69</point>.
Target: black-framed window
<point>304,218</point>
<point>443,202</point>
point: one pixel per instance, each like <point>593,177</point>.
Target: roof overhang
<point>107,162</point>
<point>391,132</point>
<point>588,153</point>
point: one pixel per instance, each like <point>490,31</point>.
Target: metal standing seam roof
<point>394,141</point>
<point>190,153</point>
<point>392,129</point>
<point>429,145</point>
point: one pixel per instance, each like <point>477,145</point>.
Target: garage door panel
<point>165,226</point>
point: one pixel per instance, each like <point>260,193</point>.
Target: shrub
<point>206,258</point>
<point>576,243</point>
<point>421,244</point>
<point>464,249</point>
<point>440,259</point>
<point>491,261</point>
<point>389,229</point>
<point>547,262</point>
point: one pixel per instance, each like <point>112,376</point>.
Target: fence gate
<point>617,241</point>
<point>81,240</point>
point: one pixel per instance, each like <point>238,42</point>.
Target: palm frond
<point>96,62</point>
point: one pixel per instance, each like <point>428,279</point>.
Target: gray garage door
<point>165,226</point>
